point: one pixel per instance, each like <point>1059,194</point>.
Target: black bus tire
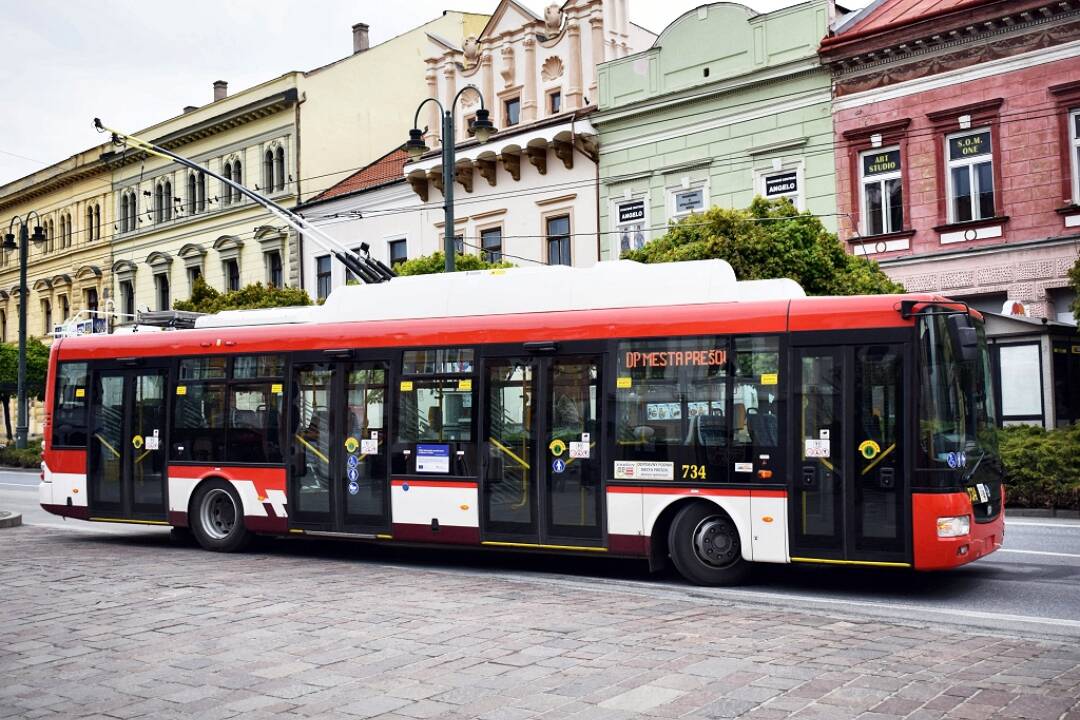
<point>217,518</point>
<point>704,545</point>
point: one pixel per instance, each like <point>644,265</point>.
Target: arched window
<point>69,229</point>
<point>97,221</point>
<point>123,212</point>
<point>168,197</point>
<point>268,171</point>
<point>238,178</point>
<point>279,169</point>
<point>50,235</point>
<point>191,193</point>
<point>227,190</point>
<point>202,193</point>
<point>89,224</point>
<point>62,233</point>
<point>159,203</point>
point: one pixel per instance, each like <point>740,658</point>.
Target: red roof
<point>386,169</point>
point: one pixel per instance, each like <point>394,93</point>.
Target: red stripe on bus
<point>435,483</point>
<point>66,461</point>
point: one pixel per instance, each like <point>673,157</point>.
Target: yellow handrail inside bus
<point>106,444</point>
<point>312,448</point>
<point>879,458</point>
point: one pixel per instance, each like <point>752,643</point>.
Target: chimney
<point>359,38</point>
<point>190,108</point>
<point>221,90</point>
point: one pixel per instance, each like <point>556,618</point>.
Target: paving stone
<point>297,633</point>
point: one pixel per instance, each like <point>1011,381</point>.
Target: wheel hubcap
<point>218,514</point>
<point>714,542</point>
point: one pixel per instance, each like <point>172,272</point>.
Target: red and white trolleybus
<point>662,412</point>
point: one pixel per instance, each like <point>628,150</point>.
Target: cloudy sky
<point>136,63</point>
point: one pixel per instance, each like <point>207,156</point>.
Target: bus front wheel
<point>705,546</point>
<point>217,518</point>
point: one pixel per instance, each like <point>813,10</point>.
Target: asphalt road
<point>1032,585</point>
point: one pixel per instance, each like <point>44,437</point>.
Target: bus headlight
<point>953,526</point>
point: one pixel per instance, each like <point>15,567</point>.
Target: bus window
<point>755,415</point>
<point>198,432</point>
<point>435,408</point>
<point>256,430</point>
<point>69,415</point>
<point>671,405</point>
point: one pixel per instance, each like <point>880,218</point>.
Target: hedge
<point>1042,467</point>
<point>30,457</point>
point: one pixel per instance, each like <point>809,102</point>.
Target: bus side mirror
<point>964,338</point>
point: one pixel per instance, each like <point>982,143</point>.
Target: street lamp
<point>21,420</point>
<point>416,147</point>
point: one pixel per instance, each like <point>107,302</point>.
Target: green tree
<point>770,239</point>
<point>206,299</point>
<point>436,263</point>
<point>37,366</point>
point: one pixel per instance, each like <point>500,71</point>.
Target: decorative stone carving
<point>471,50</point>
<point>486,169</point>
<point>552,68</point>
<point>553,19</point>
<point>464,175</point>
<point>512,164</point>
<point>538,158</point>
<point>419,186</point>
<point>564,151</point>
<point>507,70</point>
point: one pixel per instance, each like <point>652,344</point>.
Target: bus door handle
<point>887,478</point>
<point>809,476</point>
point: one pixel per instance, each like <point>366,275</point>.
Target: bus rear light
<point>957,526</point>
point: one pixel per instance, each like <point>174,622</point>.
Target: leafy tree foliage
<point>206,299</point>
<point>770,239</point>
<point>436,263</point>
<point>37,366</point>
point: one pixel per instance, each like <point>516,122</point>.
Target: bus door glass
<point>126,455</point>
<point>338,470</point>
<point>541,477</point>
<point>849,496</point>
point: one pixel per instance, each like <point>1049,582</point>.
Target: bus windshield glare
<point>956,403</point>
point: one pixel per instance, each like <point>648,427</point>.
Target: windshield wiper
<point>975,467</point>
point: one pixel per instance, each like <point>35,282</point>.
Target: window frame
<point>731,451</point>
<point>880,180</point>
<point>969,164</point>
<point>268,257</point>
<point>320,276</point>
<point>568,236</point>
<point>53,444</point>
<point>507,102</point>
<point>798,198</point>
<point>485,254</point>
<point>673,199</point>
<point>620,227</point>
<point>554,97</point>
<point>229,382</point>
<point>395,243</point>
<point>1074,151</point>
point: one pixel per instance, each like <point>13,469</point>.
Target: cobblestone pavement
<point>100,627</point>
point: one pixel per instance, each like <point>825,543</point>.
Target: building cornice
<point>237,117</point>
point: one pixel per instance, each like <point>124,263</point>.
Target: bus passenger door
<point>338,468</point>
<point>849,502</point>
<point>127,445</point>
<point>541,476</point>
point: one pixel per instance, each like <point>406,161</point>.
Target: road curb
<point>10,519</point>
<point>1042,513</point>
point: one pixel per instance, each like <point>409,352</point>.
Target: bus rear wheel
<point>217,518</point>
<point>705,547</point>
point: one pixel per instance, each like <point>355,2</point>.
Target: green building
<point>727,104</point>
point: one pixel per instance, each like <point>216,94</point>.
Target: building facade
<point>528,195</point>
<point>957,133</point>
<point>690,123</point>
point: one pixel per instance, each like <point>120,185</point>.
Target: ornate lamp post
<point>416,147</point>
<point>22,421</point>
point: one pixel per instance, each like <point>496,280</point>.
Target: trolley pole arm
<point>367,268</point>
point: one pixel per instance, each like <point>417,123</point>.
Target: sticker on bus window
<point>181,389</point>
<point>744,467</point>
<point>624,383</point>
<point>817,448</point>
<point>80,392</point>
<point>769,378</point>
<point>635,470</point>
<point>369,447</point>
<point>464,385</point>
<point>276,388</point>
<point>406,386</point>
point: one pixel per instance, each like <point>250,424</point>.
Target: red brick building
<point>957,137</point>
<point>957,127</point>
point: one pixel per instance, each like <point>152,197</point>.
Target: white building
<point>529,194</point>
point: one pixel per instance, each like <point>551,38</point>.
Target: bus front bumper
<point>939,553</point>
